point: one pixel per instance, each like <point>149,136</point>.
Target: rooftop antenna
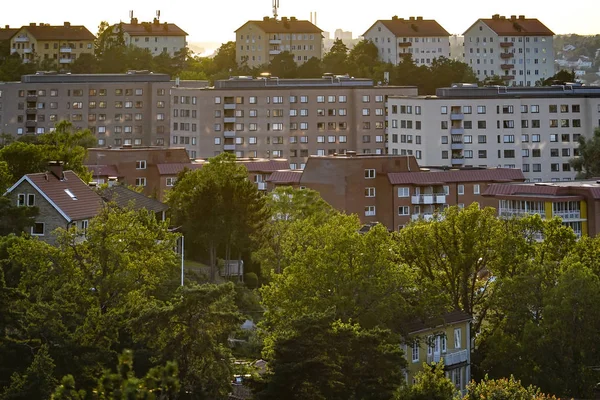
<point>158,14</point>
<point>130,14</point>
<point>275,7</point>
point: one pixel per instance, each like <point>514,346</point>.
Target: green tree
<point>138,58</point>
<point>560,78</point>
<point>283,65</point>
<point>14,219</point>
<point>505,388</point>
<point>310,69</point>
<point>6,179</point>
<point>363,59</point>
<point>37,382</point>
<point>335,61</point>
<point>84,64</point>
<point>225,63</point>
<point>431,384</point>
<point>192,329</point>
<point>587,164</point>
<point>110,48</point>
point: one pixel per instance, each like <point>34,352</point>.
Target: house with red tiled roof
<point>423,40</point>
<point>284,178</point>
<point>62,44</point>
<point>518,49</point>
<point>257,42</point>
<point>157,37</point>
<point>63,200</point>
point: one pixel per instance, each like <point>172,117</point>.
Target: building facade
<point>532,129</point>
<point>156,37</point>
<point>518,49</point>
<point>60,44</point>
<point>423,40</point>
<point>119,109</point>
<point>282,118</point>
<point>577,203</point>
<point>257,42</point>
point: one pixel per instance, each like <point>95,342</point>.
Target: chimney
<point>265,19</point>
<point>284,19</point>
<point>521,17</point>
<point>293,19</point>
<point>496,16</point>
<point>56,169</point>
<point>513,17</point>
<point>419,18</point>
<point>7,27</point>
<point>412,18</point>
<point>395,18</point>
<point>112,181</point>
<point>32,24</point>
<point>134,21</point>
<point>67,23</point>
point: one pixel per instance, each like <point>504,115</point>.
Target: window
<point>366,99</point>
<point>482,153</point>
<point>480,109</point>
<point>415,352</point>
<point>403,210</point>
<point>38,229</point>
<point>476,189</point>
<point>403,192</point>
<point>140,164</point>
<point>370,192</point>
<point>140,181</point>
<point>457,338</point>
<point>461,189</point>
<point>369,173</point>
<point>369,211</point>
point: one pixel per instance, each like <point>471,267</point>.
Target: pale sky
<point>216,21</point>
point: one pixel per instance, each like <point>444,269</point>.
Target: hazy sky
<point>216,21</point>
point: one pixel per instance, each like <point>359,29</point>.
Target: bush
<point>251,280</point>
<point>505,389</point>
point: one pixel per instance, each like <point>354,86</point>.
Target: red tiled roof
<point>61,32</point>
<point>175,168</point>
<point>291,177</point>
<point>281,26</point>
<point>151,29</point>
<point>452,317</point>
<point>564,189</point>
<point>7,33</point>
<point>516,26</point>
<point>87,204</point>
<point>103,170</point>
<point>265,165</point>
<point>439,177</point>
<point>413,27</point>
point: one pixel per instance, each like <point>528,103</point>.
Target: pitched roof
<point>175,168</point>
<point>83,202</point>
<point>281,177</point>
<point>401,27</point>
<point>265,165</point>
<point>554,189</point>
<point>449,318</point>
<point>153,29</point>
<point>272,25</point>
<point>61,32</point>
<point>124,197</point>
<point>440,177</point>
<point>515,26</point>
<point>103,170</point>
<point>7,33</point>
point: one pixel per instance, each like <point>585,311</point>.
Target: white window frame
<point>457,338</point>
<point>370,173</point>
<point>461,190</point>
<point>140,164</point>
<point>370,211</point>
<point>415,352</point>
<point>140,181</point>
<point>476,189</point>
<point>43,229</point>
<point>403,192</point>
<point>405,210</point>
<point>170,181</point>
<point>369,192</point>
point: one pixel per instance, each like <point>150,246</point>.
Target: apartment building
<point>518,49</point>
<point>577,203</point>
<point>5,34</point>
<point>282,118</point>
<point>156,37</point>
<point>423,40</point>
<point>532,129</point>
<point>257,42</point>
<point>119,109</point>
<point>61,44</point>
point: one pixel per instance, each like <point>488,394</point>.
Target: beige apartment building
<point>257,42</point>
<point>532,129</point>
<point>157,37</point>
<point>282,118</point>
<point>518,49</point>
<point>62,44</point>
<point>422,40</point>
<point>119,109</point>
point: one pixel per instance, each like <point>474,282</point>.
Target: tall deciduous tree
<point>335,61</point>
<point>283,65</point>
<point>587,164</point>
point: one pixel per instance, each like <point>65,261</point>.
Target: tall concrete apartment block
<point>282,118</point>
<point>119,109</point>
<point>518,49</point>
<point>257,42</point>
<point>423,40</point>
<point>533,129</point>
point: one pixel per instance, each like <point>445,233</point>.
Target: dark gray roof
<point>125,197</point>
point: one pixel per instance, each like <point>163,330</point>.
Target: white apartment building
<point>157,37</point>
<point>534,129</point>
<point>282,118</point>
<point>423,40</point>
<point>518,49</point>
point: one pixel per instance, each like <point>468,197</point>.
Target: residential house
<point>156,37</point>
<point>284,178</point>
<point>62,44</point>
<point>5,34</point>
<point>447,339</point>
<point>258,42</point>
<point>63,200</point>
<point>422,40</point>
<point>125,197</point>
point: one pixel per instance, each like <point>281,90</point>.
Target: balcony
<point>458,161</point>
<point>426,217</point>
<point>434,198</point>
<point>457,146</point>
<point>229,147</point>
<point>21,39</point>
<point>404,44</point>
<point>30,124</point>
<point>262,185</point>
<point>450,358</point>
<point>32,97</point>
<point>508,77</point>
<point>28,50</point>
<point>65,61</point>
<point>229,134</point>
<point>507,66</point>
<point>506,56</point>
<point>65,49</point>
<point>229,106</point>
<point>518,212</point>
<point>506,44</point>
<point>31,110</point>
<point>457,131</point>
<point>274,52</point>
<point>568,215</point>
<point>274,41</point>
<point>457,116</point>
<point>229,120</point>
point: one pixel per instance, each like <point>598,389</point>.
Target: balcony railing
<point>426,217</point>
<point>28,50</point>
<point>506,56</point>
<point>508,77</point>
<point>404,44</point>
<point>229,134</point>
<point>506,44</point>
<point>21,39</point>
<point>458,161</point>
<point>456,357</point>
<point>229,147</point>
<point>274,41</point>
<point>457,116</point>
<point>519,212</point>
<point>65,61</point>
<point>457,146</point>
<point>229,106</point>
<point>457,131</point>
<point>262,185</point>
<point>65,49</point>
<point>567,214</point>
<point>435,198</point>
<point>274,52</point>
<point>230,120</point>
<point>507,66</point>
